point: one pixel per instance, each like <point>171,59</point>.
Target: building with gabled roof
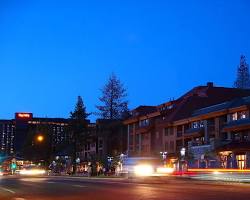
<point>185,121</point>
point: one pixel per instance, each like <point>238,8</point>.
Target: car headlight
<point>32,172</point>
<point>143,170</point>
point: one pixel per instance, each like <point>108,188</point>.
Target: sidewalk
<point>199,178</point>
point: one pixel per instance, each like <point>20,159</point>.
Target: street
<point>44,188</point>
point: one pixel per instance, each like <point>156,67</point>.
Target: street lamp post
<point>110,161</point>
<point>182,152</point>
<point>164,156</point>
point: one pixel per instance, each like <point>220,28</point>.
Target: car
<point>31,171</point>
<point>140,166</point>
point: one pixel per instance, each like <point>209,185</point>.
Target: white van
<point>140,166</point>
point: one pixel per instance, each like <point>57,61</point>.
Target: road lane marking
<point>51,182</point>
<point>7,190</point>
<point>81,186</point>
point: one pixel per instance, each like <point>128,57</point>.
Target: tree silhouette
<point>113,99</point>
<point>243,77</point>
<point>78,125</point>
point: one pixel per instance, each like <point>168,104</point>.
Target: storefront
<point>235,155</point>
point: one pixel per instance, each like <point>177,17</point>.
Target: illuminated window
<point>234,116</point>
<point>243,115</point>
<point>170,107</point>
<point>195,125</point>
<point>241,161</point>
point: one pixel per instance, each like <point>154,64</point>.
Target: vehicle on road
<point>143,167</point>
<point>31,171</point>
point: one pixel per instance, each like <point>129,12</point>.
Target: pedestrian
<point>89,170</point>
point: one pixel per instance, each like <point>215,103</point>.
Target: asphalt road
<point>44,188</point>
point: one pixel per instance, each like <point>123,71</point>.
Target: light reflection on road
<point>35,180</point>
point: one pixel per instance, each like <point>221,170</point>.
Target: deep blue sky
<point>52,51</point>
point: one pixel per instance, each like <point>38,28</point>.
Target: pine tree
<point>243,77</point>
<point>80,111</point>
<point>113,99</point>
<point>78,128</point>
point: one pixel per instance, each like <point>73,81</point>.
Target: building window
<point>100,143</point>
<point>170,131</point>
<point>245,136</point>
<point>130,128</point>
<point>137,139</point>
<point>170,107</point>
<point>201,124</point>
<point>243,115</point>
<point>144,122</point>
<point>171,146</point>
<point>241,161</point>
<point>166,146</point>
<point>195,125</point>
<point>145,136</point>
<point>157,135</point>
<point>166,131</point>
<point>131,142</point>
<point>236,136</point>
<point>234,116</point>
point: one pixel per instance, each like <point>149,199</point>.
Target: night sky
<point>53,51</point>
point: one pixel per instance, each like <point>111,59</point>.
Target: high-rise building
<point>18,135</point>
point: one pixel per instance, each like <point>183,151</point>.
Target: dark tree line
<point>114,106</point>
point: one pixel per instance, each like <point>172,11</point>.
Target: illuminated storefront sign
<point>23,115</point>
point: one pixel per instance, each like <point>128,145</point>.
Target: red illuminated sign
<point>24,115</point>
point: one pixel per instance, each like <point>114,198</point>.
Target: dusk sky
<point>53,51</point>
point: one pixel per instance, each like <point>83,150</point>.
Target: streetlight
<point>164,156</point>
<point>110,161</point>
<point>40,138</point>
<point>182,152</point>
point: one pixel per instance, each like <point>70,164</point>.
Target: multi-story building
<point>186,123</point>
<point>7,131</point>
<point>106,138</point>
<point>18,135</point>
<point>221,134</point>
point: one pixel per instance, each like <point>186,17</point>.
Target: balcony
<point>194,132</point>
<point>145,128</point>
<point>237,125</point>
<point>179,133</point>
<point>237,146</point>
<point>200,150</point>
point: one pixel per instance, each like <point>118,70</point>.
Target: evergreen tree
<point>78,128</point>
<point>243,77</point>
<point>113,99</point>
